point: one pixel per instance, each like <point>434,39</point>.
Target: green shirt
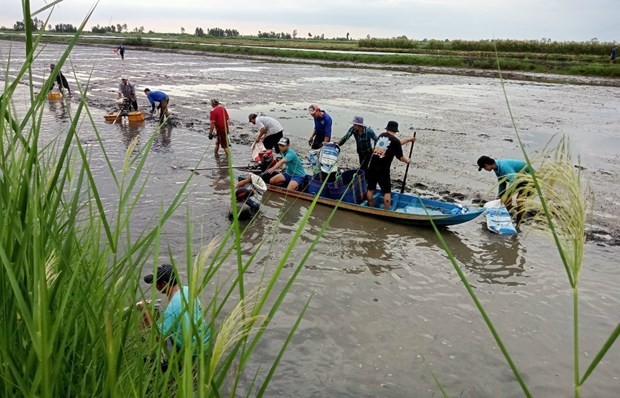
<point>294,168</point>
<point>176,321</point>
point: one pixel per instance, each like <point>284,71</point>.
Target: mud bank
<point>457,118</point>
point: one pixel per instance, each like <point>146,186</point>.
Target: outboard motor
<point>266,161</point>
<point>124,105</point>
<point>249,198</point>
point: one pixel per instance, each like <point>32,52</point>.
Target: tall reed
<point>562,203</point>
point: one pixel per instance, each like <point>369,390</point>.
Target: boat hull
<point>426,212</point>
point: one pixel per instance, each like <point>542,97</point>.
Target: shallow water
<point>387,303</point>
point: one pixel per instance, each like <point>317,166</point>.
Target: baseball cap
<point>284,141</point>
<point>164,273</point>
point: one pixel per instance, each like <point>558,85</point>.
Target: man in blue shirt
<point>613,55</point>
<point>507,171</point>
<point>294,173</point>
<point>365,138</point>
<point>121,49</point>
<point>322,127</point>
<point>182,322</point>
<point>162,98</point>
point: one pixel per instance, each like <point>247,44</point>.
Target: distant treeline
<point>215,32</point>
<point>592,47</point>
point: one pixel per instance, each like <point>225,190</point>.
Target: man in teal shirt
<point>180,322</point>
<point>507,171</point>
<point>294,173</point>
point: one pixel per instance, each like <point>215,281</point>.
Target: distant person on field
<point>127,90</point>
<point>269,131</point>
<point>507,171</point>
<point>219,122</point>
<point>294,174</point>
<point>613,56</point>
<point>163,99</point>
<point>61,80</point>
<point>322,127</point>
<point>365,138</point>
<point>182,326</point>
<point>387,148</point>
<point>121,50</point>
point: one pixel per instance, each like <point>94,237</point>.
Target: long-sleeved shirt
<point>156,96</point>
<point>365,140</point>
<point>507,170</point>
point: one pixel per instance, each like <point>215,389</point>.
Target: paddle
<point>216,168</point>
<point>402,189</point>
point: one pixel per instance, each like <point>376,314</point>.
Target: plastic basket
<point>351,187</point>
<point>316,181</point>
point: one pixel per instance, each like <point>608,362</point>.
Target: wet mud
<point>448,112</point>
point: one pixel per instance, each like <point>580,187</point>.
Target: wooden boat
<point>406,208</point>
<point>54,95</point>
<point>134,116</point>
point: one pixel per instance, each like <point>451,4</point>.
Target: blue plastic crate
<point>352,185</point>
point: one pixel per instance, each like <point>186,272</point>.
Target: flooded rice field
<point>387,303</point>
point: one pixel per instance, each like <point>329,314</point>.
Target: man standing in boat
<point>365,138</point>
<point>61,80</point>
<point>163,99</point>
<point>294,173</point>
<point>387,148</point>
<point>269,131</point>
<point>127,91</point>
<point>322,127</point>
<point>507,171</point>
<point>219,123</point>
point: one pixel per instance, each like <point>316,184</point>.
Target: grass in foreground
<point>72,265</point>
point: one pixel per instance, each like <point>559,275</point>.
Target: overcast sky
<point>578,20</point>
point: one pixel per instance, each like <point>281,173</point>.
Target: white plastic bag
<point>257,147</point>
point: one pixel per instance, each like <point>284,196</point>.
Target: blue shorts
<point>298,179</point>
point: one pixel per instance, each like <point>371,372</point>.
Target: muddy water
<point>386,301</point>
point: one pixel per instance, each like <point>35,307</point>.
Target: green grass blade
<point>276,362</point>
<point>610,342</point>
<point>572,278</point>
<point>487,319</point>
<point>45,7</point>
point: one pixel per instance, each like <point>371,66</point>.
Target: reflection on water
<point>59,108</point>
<point>163,139</point>
<point>129,131</point>
<point>358,244</point>
<point>161,142</point>
<point>494,259</point>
